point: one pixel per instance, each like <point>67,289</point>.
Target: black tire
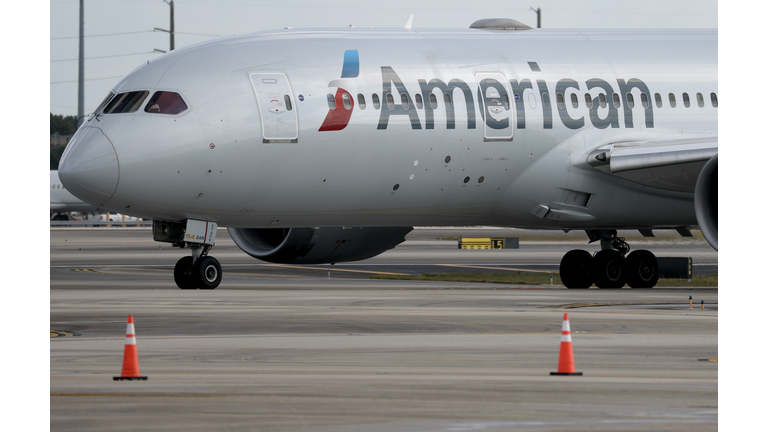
<point>207,273</point>
<point>182,273</point>
<point>575,269</point>
<point>608,269</point>
<point>642,269</point>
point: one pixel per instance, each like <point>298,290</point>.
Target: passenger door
<point>496,108</point>
<point>279,122</point>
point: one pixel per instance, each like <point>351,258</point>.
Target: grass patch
<point>521,278</point>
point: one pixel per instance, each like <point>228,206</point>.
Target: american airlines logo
<point>338,119</point>
<point>493,100</point>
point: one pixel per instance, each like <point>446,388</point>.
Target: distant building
<point>57,139</point>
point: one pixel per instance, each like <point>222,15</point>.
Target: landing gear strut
<point>198,270</point>
<point>609,268</point>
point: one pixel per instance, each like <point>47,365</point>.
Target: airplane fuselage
<point>443,127</point>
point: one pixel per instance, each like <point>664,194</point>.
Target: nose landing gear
<point>199,270</point>
<point>609,268</point>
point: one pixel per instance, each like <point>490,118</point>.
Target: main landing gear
<point>611,267</point>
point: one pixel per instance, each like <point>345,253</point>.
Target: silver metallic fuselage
<point>212,161</point>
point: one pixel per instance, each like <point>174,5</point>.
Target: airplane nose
<point>89,167</point>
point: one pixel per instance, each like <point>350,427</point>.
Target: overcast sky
<point>120,36</point>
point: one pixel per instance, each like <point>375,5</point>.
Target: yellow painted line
<point>140,395</point>
<point>495,268</point>
<point>140,270</point>
<point>143,269</point>
<point>246,273</point>
<point>56,333</point>
<point>334,269</point>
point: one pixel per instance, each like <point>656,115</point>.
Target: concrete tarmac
<point>288,349</point>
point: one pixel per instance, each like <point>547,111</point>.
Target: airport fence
<point>83,224</point>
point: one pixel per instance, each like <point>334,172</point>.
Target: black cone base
<point>129,378</point>
<point>567,373</point>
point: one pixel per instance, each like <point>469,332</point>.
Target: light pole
<point>81,71</point>
<point>172,30</point>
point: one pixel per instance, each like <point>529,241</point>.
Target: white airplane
<point>64,202</point>
<point>318,146</point>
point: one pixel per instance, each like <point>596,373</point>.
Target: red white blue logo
<point>338,118</point>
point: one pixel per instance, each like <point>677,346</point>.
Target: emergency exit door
<point>277,107</point>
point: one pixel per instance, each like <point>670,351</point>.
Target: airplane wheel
<point>608,269</point>
<point>642,269</point>
<point>207,273</point>
<point>575,269</point>
<point>182,275</point>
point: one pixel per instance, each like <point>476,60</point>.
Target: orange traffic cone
<point>566,366</point>
<point>130,356</point>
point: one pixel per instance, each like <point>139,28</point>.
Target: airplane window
<point>545,100</point>
<point>375,99</point>
<point>126,102</point>
<point>390,101</point>
<point>602,100</point>
<point>560,101</point>
<point>644,100</point>
<point>331,101</point>
<point>288,104</point>
<point>447,99</point>
<point>419,101</point>
<point>672,101</point>
<point>531,100</point>
<point>432,101</point>
<point>713,98</point>
<point>686,100</point>
<point>616,101</point>
<point>588,100</point>
<point>492,92</point>
<point>346,101</point>
<point>505,98</point>
<point>164,102</point>
<point>630,100</point>
<point>404,100</point>
<point>361,101</point>
<point>659,102</point>
<point>574,100</point>
<point>700,100</point>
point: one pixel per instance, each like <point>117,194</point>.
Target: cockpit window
<point>164,102</point>
<point>126,102</point>
<point>104,103</point>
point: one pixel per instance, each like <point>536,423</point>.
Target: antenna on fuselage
<point>538,16</point>
<point>409,23</point>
